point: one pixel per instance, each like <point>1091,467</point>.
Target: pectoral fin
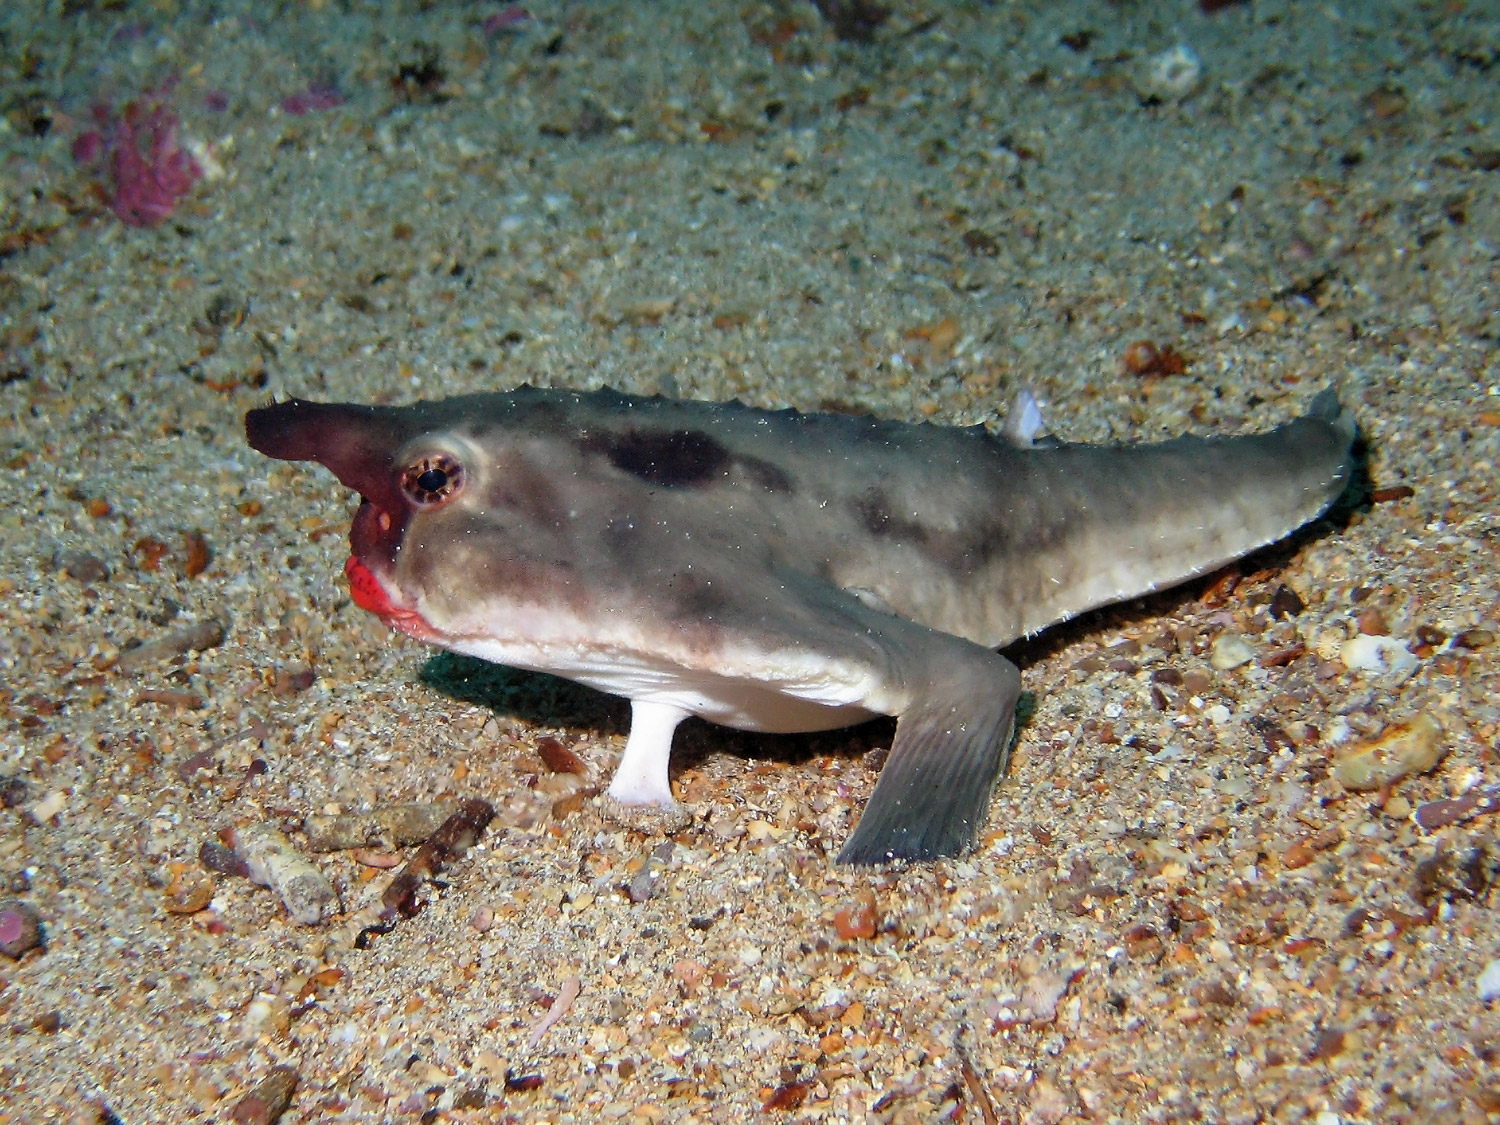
<point>951,746</point>
<point>795,652</point>
<point>955,708</point>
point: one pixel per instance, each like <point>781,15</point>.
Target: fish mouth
<point>371,594</point>
<point>374,541</point>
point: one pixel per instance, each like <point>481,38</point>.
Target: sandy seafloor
<point>1176,913</point>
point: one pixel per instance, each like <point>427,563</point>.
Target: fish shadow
<point>549,701</point>
<point>533,697</point>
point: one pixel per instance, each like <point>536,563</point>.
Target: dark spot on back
<point>696,598</point>
<point>874,511</point>
<point>672,458</point>
<point>767,475</point>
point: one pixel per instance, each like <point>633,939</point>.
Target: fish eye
<point>433,479</point>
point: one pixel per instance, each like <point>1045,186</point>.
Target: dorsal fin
<point>1024,421</point>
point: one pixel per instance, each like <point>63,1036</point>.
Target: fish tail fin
<point>1326,407</point>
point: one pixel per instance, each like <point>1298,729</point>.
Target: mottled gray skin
<point>786,571</point>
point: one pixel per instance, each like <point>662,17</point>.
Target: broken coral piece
<point>274,862</point>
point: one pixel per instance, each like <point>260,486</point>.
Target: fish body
<point>785,571</point>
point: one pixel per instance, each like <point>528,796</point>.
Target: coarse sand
<point>1181,909</point>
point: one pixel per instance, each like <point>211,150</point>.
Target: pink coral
<point>149,170</point>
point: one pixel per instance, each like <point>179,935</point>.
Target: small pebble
<point>564,807</point>
<point>1049,1105</point>
<point>216,857</point>
<point>190,890</point>
<point>197,554</point>
<point>1429,637</point>
<point>20,928</point>
<point>1230,650</point>
<point>858,919</point>
<point>12,792</point>
<point>1489,982</point>
<point>644,884</point>
<point>482,919</point>
<point>194,638</point>
<point>1141,358</point>
<point>81,566</point>
<point>1474,638</point>
<point>645,310</point>
<point>1398,752</point>
<point>1285,603</point>
<point>1330,1043</point>
<point>1169,76</point>
<point>786,1097</point>
<point>1281,657</point>
<point>558,758</point>
<point>48,807</point>
<point>1297,856</point>
<point>268,1100</point>
<point>1142,942</point>
<point>690,974</point>
<point>1195,681</point>
<point>1451,810</point>
<point>1385,101</point>
<point>1379,654</point>
<point>369,857</point>
<point>291,681</point>
<point>400,824</point>
<point>193,763</point>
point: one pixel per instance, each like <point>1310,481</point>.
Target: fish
<point>786,571</point>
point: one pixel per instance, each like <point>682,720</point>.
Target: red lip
<point>370,595</point>
<point>367,590</point>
